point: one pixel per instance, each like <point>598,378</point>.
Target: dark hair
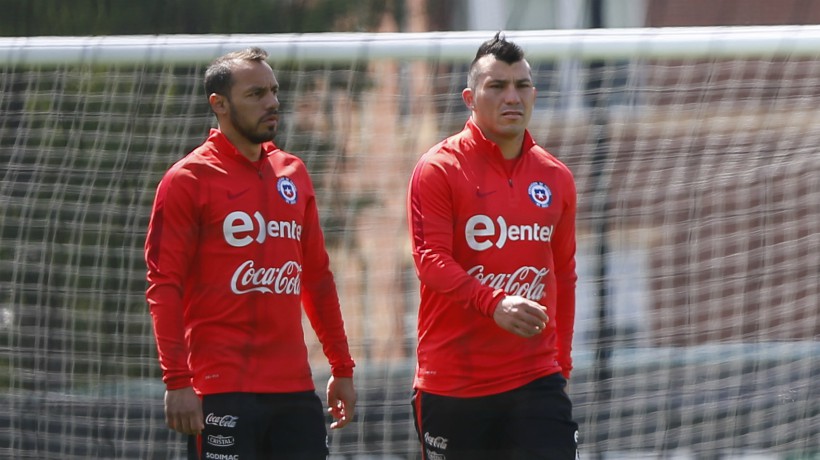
<point>218,74</point>
<point>501,48</point>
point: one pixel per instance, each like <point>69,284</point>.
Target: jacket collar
<point>485,144</point>
<point>224,146</point>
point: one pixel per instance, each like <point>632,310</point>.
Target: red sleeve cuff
<point>178,383</point>
<point>496,298</point>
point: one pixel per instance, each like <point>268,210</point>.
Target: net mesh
<point>699,244</point>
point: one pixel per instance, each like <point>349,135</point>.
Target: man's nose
<point>272,101</point>
<point>511,96</point>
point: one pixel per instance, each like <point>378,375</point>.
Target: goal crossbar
<point>583,44</point>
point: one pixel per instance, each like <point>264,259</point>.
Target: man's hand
<point>183,411</point>
<point>521,316</point>
<point>341,400</point>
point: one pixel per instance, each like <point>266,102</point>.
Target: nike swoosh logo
<point>481,194</point>
<point>233,196</point>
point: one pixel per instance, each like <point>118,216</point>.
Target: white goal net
<point>697,158</point>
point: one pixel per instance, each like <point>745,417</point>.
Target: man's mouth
<point>512,114</point>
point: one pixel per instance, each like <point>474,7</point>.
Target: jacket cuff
<point>345,371</point>
<point>178,383</point>
<point>495,299</point>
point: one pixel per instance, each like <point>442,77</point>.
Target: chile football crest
<point>540,194</point>
<point>287,189</point>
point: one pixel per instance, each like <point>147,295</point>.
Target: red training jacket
<point>479,232</point>
<point>234,250</point>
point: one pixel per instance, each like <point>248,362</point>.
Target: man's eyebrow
<point>507,80</point>
<point>255,88</point>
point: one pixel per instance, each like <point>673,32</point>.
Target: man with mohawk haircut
<point>492,223</point>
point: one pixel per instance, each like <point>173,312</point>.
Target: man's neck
<point>510,148</point>
<point>248,150</point>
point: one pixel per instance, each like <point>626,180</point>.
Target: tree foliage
<point>124,17</point>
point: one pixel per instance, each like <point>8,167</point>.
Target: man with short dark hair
<point>234,252</point>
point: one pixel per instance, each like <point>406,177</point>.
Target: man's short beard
<point>257,138</point>
<point>253,137</point>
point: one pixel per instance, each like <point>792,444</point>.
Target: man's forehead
<point>252,73</point>
<point>249,67</point>
<point>491,67</point>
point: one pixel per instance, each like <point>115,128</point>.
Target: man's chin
<point>264,137</point>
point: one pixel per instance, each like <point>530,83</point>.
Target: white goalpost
<point>696,153</point>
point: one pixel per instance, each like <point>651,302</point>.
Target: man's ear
<point>467,97</point>
<point>218,102</point>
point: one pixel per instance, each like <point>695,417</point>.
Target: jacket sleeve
<point>563,250</point>
<point>430,218</point>
<point>319,296</point>
<point>169,248</point>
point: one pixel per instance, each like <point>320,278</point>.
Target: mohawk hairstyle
<point>501,48</point>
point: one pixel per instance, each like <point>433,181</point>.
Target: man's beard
<point>254,137</point>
